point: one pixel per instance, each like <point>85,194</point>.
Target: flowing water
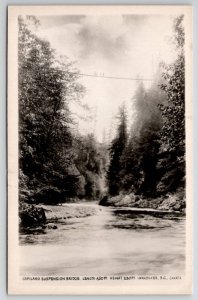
<point>93,240</point>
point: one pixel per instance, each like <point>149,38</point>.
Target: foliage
<point>173,131</point>
<point>150,159</point>
<point>46,88</point>
<point>57,164</point>
<point>173,113</point>
<point>91,161</point>
<point>139,157</point>
<point>117,147</point>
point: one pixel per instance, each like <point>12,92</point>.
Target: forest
<point>57,164</point>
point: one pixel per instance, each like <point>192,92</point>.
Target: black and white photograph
<point>99,137</point>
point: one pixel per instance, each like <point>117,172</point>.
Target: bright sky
<point>120,46</point>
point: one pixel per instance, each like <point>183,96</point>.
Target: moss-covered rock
<point>170,202</point>
<point>30,214</point>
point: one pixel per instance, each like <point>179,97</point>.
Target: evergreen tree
<point>173,114</point>
<point>139,159</point>
<point>173,131</point>
<point>46,86</point>
<point>117,147</point>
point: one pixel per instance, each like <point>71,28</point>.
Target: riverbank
<point>171,202</point>
<point>36,218</point>
<point>32,215</point>
<point>95,240</point>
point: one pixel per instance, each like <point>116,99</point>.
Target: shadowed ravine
<point>93,240</point>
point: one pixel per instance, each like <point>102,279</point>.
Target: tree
<point>173,113</point>
<point>139,159</point>
<point>46,87</point>
<point>91,160</point>
<point>173,131</point>
<point>117,147</point>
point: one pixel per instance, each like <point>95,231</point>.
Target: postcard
<point>99,150</point>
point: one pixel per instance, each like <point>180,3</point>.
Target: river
<point>94,240</point>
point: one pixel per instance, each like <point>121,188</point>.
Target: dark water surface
<point>93,240</point>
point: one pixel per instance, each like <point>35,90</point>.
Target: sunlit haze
<point>128,46</point>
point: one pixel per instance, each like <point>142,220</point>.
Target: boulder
<point>174,202</point>
<point>170,202</point>
<point>31,214</point>
<point>51,226</point>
